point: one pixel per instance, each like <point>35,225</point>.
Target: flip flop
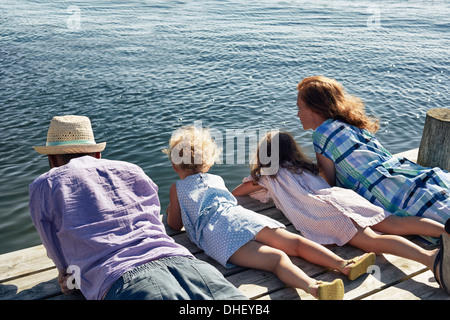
<point>443,260</point>
<point>329,290</point>
<point>359,266</point>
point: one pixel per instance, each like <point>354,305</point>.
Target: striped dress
<point>397,184</point>
<point>321,213</point>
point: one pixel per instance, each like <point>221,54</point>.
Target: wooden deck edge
<point>409,154</point>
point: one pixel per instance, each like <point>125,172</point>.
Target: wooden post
<point>434,148</point>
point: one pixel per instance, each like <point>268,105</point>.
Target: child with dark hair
<point>333,215</point>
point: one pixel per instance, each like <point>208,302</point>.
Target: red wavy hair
<point>328,98</point>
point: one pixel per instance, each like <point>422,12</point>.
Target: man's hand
<point>62,280</point>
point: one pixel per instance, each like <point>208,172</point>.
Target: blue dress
<point>213,219</point>
<point>397,184</point>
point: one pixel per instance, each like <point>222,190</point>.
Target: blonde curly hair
<point>192,149</point>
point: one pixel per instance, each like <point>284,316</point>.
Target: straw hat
<point>70,134</point>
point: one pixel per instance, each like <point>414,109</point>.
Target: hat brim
<point>71,149</point>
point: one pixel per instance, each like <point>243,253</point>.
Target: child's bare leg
<point>259,256</point>
<point>367,240</point>
<point>410,226</point>
<point>296,245</point>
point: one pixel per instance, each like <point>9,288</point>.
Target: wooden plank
<point>23,262</point>
<point>283,294</point>
<point>255,205</point>
<point>276,214</point>
<point>36,286</point>
<point>410,154</point>
<point>254,283</point>
<point>419,287</point>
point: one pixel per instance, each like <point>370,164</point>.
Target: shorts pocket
<point>141,287</point>
<point>219,288</point>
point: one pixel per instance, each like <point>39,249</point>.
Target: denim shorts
<point>173,278</point>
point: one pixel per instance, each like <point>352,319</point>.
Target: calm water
<point>140,69</point>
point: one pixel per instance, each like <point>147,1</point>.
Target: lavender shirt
<point>101,216</point>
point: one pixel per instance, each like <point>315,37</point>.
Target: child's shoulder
<point>211,175</point>
<point>213,178</point>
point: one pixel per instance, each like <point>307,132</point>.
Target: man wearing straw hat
<point>99,222</point>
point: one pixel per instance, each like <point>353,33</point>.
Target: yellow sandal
<point>329,290</point>
<point>359,266</point>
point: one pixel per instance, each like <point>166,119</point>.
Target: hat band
<point>71,142</point>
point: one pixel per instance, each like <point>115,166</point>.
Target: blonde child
<point>333,215</point>
<point>233,235</point>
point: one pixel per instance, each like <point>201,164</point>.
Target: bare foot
<point>313,289</point>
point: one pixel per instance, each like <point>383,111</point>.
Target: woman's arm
<point>327,170</point>
<point>173,210</point>
<point>245,188</point>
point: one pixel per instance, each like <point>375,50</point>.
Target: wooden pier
<point>28,274</point>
